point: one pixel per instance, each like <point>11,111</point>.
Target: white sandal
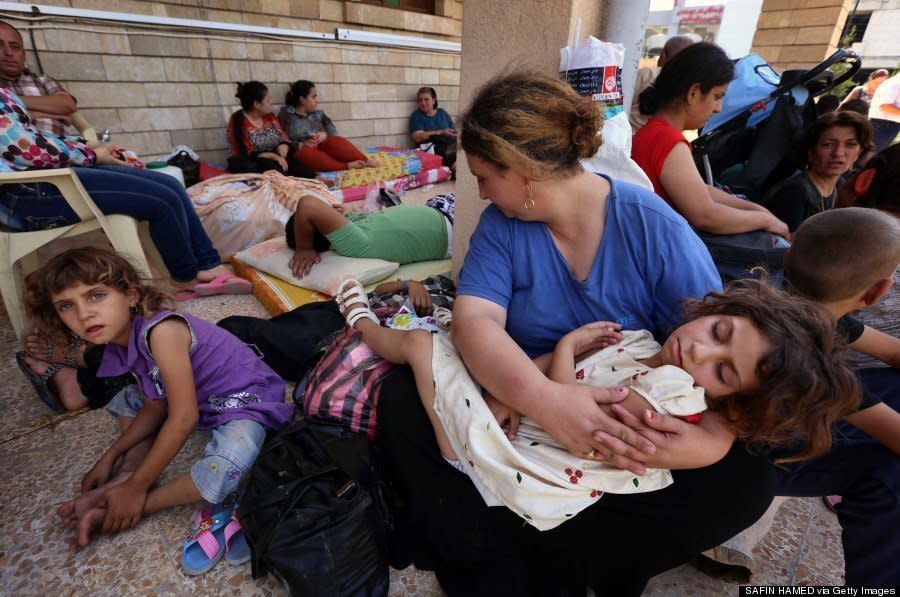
<point>444,316</point>
<point>351,292</point>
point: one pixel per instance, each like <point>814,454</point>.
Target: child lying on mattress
<point>404,233</point>
<point>770,362</point>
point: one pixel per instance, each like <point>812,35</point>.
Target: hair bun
<point>237,93</point>
<point>648,101</point>
<point>586,125</point>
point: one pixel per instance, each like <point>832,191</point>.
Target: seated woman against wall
<point>319,147</point>
<point>431,124</point>
<point>832,145</point>
<point>258,143</point>
<point>687,91</point>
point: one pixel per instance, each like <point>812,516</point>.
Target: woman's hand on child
<point>98,475</point>
<point>504,415</point>
<point>592,337</point>
<point>303,261</point>
<point>680,445</point>
<point>321,136</point>
<point>124,507</point>
<point>420,298</point>
<point>573,417</point>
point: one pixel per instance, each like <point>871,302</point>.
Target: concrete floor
<point>44,456</point>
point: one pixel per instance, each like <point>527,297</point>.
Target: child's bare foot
<point>64,383</point>
<point>71,354</point>
<point>71,512</point>
<point>356,164</point>
<point>87,526</point>
<point>371,164</point>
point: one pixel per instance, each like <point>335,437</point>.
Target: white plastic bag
<point>614,156</point>
<point>594,69</point>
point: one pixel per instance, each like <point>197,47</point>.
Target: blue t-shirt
<point>419,121</point>
<point>648,262</point>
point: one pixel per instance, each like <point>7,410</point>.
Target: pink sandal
<point>224,284</point>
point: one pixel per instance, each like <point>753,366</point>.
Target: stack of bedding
<point>398,169</point>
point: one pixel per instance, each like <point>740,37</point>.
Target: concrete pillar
<point>624,22</point>
<point>499,35</point>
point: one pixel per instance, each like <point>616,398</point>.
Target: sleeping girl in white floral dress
<point>771,363</point>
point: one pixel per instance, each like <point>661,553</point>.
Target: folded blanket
<point>241,210</point>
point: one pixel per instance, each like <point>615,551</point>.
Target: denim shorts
<point>228,456</point>
<point>126,403</point>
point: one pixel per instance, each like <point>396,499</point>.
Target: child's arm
<point>579,343</point>
<point>145,424</point>
<point>881,422</point>
<point>879,345</point>
<point>169,345</point>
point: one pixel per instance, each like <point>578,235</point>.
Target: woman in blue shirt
<point>557,248</point>
<point>431,124</point>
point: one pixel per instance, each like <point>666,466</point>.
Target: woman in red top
<point>685,94</point>
<point>258,143</point>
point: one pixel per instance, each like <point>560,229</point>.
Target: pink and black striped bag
<point>344,385</point>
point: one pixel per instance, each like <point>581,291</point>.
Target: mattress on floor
<point>278,296</point>
<point>398,169</point>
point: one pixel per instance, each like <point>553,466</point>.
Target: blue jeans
<point>228,457</point>
<point>867,475</point>
<point>142,194</point>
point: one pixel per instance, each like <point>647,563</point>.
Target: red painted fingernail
<point>650,414</point>
<point>623,391</point>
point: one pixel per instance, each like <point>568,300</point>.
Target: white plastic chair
<point>17,249</point>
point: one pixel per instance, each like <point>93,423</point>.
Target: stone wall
<point>156,87</point>
<point>799,33</point>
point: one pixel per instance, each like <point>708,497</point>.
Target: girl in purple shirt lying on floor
<point>189,374</point>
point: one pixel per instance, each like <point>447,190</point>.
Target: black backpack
<point>190,167</point>
<point>309,523</point>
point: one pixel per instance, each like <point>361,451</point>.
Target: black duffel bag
<point>309,523</point>
<point>190,167</point>
<point>736,255</point>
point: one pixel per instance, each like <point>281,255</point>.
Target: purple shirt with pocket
<point>231,381</point>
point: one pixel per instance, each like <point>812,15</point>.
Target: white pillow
<point>272,257</point>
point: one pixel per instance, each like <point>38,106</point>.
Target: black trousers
<point>615,546</point>
<point>239,164</point>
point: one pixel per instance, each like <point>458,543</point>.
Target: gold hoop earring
<point>529,196</point>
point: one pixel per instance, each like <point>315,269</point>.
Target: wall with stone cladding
<point>155,88</point>
<point>799,33</point>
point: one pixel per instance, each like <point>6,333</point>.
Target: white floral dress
<point>533,475</point>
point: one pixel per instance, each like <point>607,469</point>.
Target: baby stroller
<point>749,145</point>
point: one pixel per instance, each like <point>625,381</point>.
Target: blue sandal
<point>39,382</point>
<point>237,551</point>
<point>205,546</point>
